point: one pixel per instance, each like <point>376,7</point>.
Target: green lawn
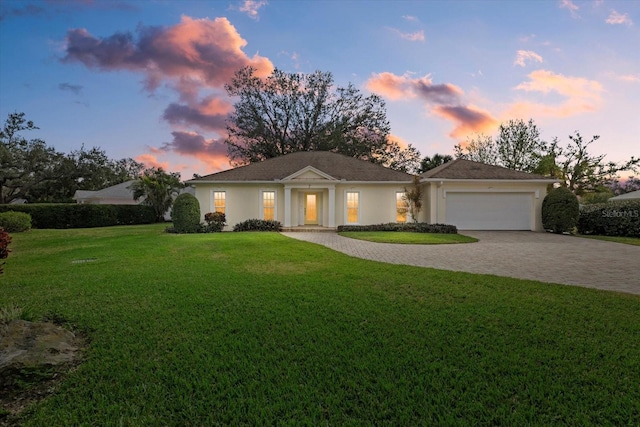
<point>260,329</point>
<point>408,237</point>
<point>626,240</point>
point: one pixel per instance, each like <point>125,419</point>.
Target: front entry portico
<point>310,204</point>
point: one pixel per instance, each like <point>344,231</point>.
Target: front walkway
<point>522,254</point>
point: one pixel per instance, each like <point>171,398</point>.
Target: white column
<point>287,206</point>
<point>332,207</point>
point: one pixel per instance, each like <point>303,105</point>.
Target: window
<point>220,201</point>
<point>269,205</point>
<point>353,207</point>
<point>401,207</point>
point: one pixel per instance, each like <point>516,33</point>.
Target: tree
<point>158,189</point>
<point>433,162</point>
<point>582,172</point>
<point>289,112</point>
<point>24,164</point>
<point>413,198</point>
<point>618,187</point>
<point>29,169</point>
<point>480,148</point>
<point>518,146</point>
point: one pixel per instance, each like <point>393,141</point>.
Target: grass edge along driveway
<point>405,237</point>
<point>260,329</point>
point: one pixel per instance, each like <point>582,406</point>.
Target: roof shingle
<point>467,169</point>
<point>336,165</point>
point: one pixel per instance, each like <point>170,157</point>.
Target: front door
<point>310,209</point>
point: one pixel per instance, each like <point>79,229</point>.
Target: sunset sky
<point>145,78</point>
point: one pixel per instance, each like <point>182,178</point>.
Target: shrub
<point>5,239</point>
<point>560,210</point>
<point>597,197</point>
<point>68,215</point>
<point>15,222</point>
<point>186,214</point>
<point>418,227</point>
<point>615,218</point>
<point>258,225</point>
<point>215,222</point>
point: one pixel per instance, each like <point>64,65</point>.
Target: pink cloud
<point>524,56</point>
<point>571,6</point>
<point>417,36</point>
<point>151,161</point>
<point>196,145</point>
<point>616,18</point>
<point>196,50</point>
<point>469,119</point>
<point>251,8</point>
<point>404,87</point>
<point>208,114</point>
<point>581,95</point>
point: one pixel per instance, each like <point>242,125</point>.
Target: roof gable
<point>467,169</point>
<point>309,173</point>
<point>304,164</point>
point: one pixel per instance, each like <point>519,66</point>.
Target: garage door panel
<point>489,211</point>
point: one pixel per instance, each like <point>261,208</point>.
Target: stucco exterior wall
<point>377,203</point>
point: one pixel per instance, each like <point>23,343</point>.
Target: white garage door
<point>489,211</point>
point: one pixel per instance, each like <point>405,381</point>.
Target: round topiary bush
<point>15,222</point>
<point>186,214</point>
<point>560,210</point>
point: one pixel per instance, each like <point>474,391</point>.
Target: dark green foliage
<point>258,225</point>
<point>215,222</point>
<point>5,239</point>
<point>615,218</point>
<point>52,215</point>
<point>418,227</point>
<point>134,214</point>
<point>560,210</point>
<point>15,222</point>
<point>186,214</point>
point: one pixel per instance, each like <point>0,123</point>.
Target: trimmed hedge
<point>416,227</point>
<point>614,218</point>
<point>15,222</point>
<point>258,225</point>
<point>59,215</point>
<point>560,211</point>
<point>186,214</point>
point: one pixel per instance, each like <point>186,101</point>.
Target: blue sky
<point>144,79</point>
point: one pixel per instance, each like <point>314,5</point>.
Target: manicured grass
<point>260,329</point>
<point>408,237</point>
<point>626,240</point>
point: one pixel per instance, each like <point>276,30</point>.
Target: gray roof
<point>118,191</point>
<point>467,169</point>
<point>628,196</point>
<point>336,165</point>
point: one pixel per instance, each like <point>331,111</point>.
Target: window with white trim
<point>220,201</point>
<point>402,207</point>
<point>268,205</point>
<point>353,207</point>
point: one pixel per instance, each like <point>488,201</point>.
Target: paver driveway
<point>522,254</point>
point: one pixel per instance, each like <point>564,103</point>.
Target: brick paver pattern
<point>545,257</point>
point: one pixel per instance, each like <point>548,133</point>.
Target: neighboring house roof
<point>467,169</point>
<point>118,191</point>
<point>337,166</point>
<point>627,196</point>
